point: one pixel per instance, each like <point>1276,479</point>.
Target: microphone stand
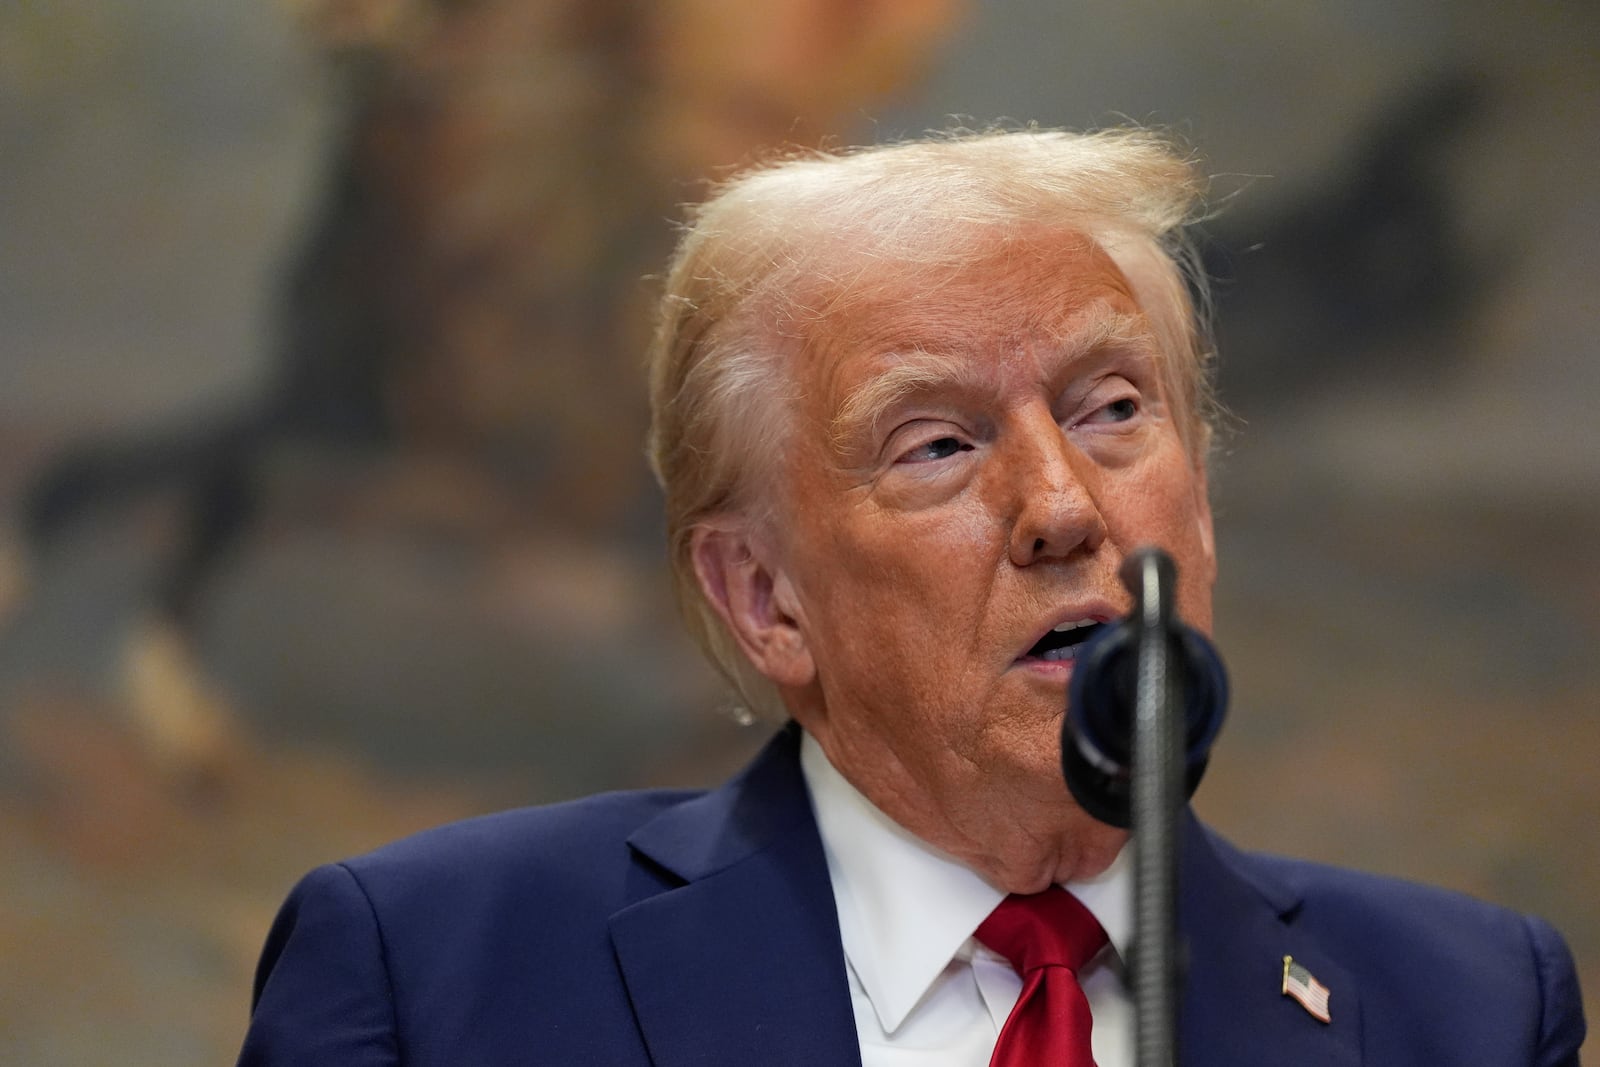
<point>1157,794</point>
<point>1147,697</point>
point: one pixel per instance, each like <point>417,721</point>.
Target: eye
<point>1121,409</point>
<point>936,449</point>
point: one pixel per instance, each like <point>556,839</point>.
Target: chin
<point>1098,850</point>
<point>1084,849</point>
<point>1088,847</point>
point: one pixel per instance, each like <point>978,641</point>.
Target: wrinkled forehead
<point>1004,294</point>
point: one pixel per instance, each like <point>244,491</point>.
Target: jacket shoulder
<point>596,822</point>
<point>1386,907</point>
<point>1423,952</point>
<point>408,949</point>
<point>574,848</point>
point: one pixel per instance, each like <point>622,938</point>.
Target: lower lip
<point>1047,669</point>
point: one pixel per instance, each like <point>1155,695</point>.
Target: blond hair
<point>780,248</point>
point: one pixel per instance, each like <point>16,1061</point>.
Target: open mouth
<point>1062,642</point>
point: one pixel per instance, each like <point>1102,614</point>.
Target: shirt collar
<point>899,942</point>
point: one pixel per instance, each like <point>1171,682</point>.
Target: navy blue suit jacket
<point>675,928</point>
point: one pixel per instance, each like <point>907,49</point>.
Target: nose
<point>1053,487</point>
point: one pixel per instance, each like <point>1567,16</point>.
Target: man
<point>913,406</point>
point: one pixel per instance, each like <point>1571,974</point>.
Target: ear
<point>755,600</point>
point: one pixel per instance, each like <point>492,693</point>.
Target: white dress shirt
<point>925,992</point>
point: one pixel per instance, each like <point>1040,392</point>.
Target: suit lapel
<point>742,963</point>
<point>1238,930</point>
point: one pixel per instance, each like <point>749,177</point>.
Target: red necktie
<point>1047,937</point>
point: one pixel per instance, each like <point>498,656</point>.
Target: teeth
<point>1068,652</point>
<point>1073,625</point>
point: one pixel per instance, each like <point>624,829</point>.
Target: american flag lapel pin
<point>1300,984</point>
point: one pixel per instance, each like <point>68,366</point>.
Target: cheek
<point>898,598</point>
<point>1161,504</point>
<point>906,558</point>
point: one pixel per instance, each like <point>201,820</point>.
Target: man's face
<point>970,465</point>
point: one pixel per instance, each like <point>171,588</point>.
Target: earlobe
<point>1208,542</point>
<point>756,602</point>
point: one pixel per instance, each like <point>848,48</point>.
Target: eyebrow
<point>924,371</point>
<point>918,371</point>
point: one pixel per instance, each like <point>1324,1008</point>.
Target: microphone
<point>1097,730</point>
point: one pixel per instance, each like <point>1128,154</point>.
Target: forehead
<point>1003,307</point>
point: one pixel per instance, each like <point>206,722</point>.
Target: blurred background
<point>325,515</point>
